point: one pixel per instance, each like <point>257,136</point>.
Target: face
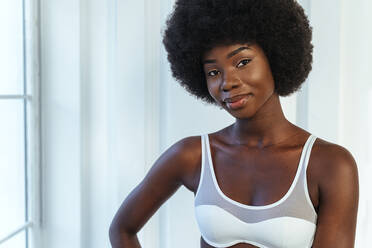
<point>239,78</point>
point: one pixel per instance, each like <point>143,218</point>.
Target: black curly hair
<point>279,27</point>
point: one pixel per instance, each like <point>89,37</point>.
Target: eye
<point>243,62</point>
<point>213,73</point>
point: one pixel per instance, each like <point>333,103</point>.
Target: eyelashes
<point>246,61</point>
<point>213,72</point>
<point>241,63</point>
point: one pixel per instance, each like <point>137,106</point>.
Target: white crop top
<point>223,222</point>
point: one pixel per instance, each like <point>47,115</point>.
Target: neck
<point>267,127</point>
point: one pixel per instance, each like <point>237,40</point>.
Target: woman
<point>262,181</point>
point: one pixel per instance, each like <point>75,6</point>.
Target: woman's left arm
<point>338,200</point>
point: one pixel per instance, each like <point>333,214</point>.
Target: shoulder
<point>338,184</point>
<point>186,153</point>
<point>331,156</point>
<point>187,149</point>
<point>333,165</point>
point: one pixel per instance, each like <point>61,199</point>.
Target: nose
<point>230,82</point>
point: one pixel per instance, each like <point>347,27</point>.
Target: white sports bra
<point>223,222</point>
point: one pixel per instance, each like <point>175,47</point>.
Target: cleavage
<point>254,177</point>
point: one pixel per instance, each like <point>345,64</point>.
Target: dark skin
<point>260,152</point>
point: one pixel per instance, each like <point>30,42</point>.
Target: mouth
<point>236,97</point>
<point>237,101</point>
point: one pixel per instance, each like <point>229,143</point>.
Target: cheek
<point>212,87</point>
<point>253,74</point>
<point>251,77</point>
<point>258,77</point>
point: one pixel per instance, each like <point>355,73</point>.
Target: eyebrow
<point>236,51</point>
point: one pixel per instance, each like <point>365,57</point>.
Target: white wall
<point>60,99</point>
<point>110,107</point>
<point>93,118</point>
<point>324,79</point>
<point>355,109</point>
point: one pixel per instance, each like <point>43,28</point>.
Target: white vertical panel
<point>130,99</point>
<point>119,117</point>
<point>165,228</point>
<point>302,96</point>
<point>84,84</point>
<point>324,80</point>
<point>115,119</point>
<point>130,91</point>
<point>94,125</point>
<point>32,26</point>
<point>356,108</point>
<point>60,99</point>
<point>152,108</point>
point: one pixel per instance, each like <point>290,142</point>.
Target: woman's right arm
<point>123,239</point>
<point>164,178</point>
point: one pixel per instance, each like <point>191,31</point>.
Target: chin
<point>241,114</point>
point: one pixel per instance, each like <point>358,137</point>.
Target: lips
<point>238,102</point>
<point>235,98</point>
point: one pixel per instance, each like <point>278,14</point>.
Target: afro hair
<point>279,27</point>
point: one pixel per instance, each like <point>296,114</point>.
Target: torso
<point>261,177</point>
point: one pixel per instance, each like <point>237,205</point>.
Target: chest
<point>256,177</point>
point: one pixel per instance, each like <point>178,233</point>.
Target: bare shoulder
<point>180,159</point>
<point>337,179</point>
<point>330,156</point>
<point>333,169</point>
<point>178,163</point>
<point>188,147</point>
<point>188,151</point>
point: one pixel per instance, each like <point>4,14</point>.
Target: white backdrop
<point>110,107</point>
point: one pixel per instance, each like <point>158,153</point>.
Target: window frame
<point>32,125</point>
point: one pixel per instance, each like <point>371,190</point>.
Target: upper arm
<point>160,183</point>
<point>338,200</point>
